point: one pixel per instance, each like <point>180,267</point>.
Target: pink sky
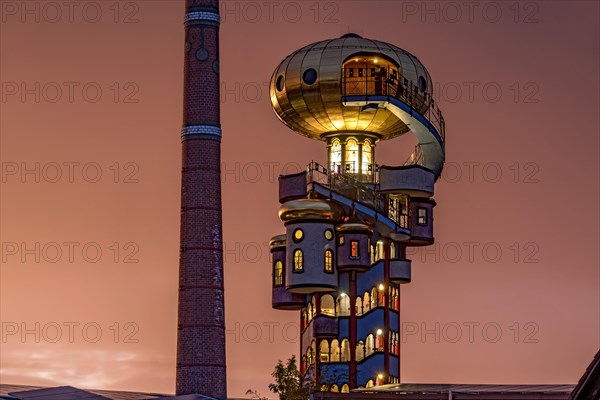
<point>519,88</point>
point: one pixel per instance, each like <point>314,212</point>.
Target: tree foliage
<point>288,381</point>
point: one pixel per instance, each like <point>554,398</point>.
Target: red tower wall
<point>201,320</point>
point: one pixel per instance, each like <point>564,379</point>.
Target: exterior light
<point>376,61</point>
<point>342,294</point>
<point>379,332</point>
<point>381,287</point>
<point>380,376</point>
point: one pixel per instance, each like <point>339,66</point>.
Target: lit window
<point>329,261</point>
<point>366,157</point>
<point>354,249</point>
<point>352,156</point>
<point>341,240</point>
<point>328,234</point>
<point>298,235</point>
<point>335,156</point>
<point>278,273</point>
<point>422,216</point>
<point>298,260</point>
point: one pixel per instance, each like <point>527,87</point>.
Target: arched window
<point>304,319</point>
<point>335,351</point>
<point>392,250</point>
<point>324,351</point>
<point>351,156</point>
<point>367,157</point>
<point>381,297</point>
<point>298,260</point>
<point>345,388</point>
<point>310,311</point>
<point>374,298</point>
<point>345,356</point>
<point>373,254</point>
<point>303,365</point>
<point>360,350</point>
<point>366,302</point>
<point>327,305</point>
<point>335,156</point>
<point>343,305</point>
<point>359,306</point>
<point>370,345</point>
<point>379,341</point>
<point>328,260</point>
<point>278,273</point>
<point>309,357</point>
<point>370,383</point>
<point>380,250</point>
<point>334,388</point>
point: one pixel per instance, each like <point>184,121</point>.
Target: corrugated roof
<point>19,391</point>
<point>57,393</point>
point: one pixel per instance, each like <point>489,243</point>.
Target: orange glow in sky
<point>90,117</point>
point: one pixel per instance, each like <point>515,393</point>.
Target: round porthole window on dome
<point>279,84</point>
<point>310,76</point>
<point>422,84</point>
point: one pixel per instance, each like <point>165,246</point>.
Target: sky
<point>90,117</point>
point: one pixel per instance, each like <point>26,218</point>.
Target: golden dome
<point>310,209</point>
<point>277,241</point>
<point>353,227</point>
<point>306,89</point>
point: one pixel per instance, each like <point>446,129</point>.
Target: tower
<point>348,223</point>
<point>201,319</point>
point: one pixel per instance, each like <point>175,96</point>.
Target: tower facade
<point>342,258</point>
<point>201,319</point>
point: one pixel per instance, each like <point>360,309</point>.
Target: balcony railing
<point>352,187</point>
<point>387,84</point>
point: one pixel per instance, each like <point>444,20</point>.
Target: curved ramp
<point>430,138</point>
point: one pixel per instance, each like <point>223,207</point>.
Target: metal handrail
<point>402,89</point>
<point>351,187</point>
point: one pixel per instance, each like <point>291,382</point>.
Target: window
<point>310,76</point>
<point>327,305</point>
<point>352,155</point>
<point>324,351</point>
<point>328,261</point>
<point>278,273</point>
<point>298,261</point>
<point>366,157</point>
<point>298,235</point>
<point>335,351</point>
<point>354,249</point>
<point>360,350</point>
<point>335,156</point>
<point>280,82</point>
<point>422,84</point>
<point>341,240</point>
<point>343,305</point>
<point>328,234</point>
<point>345,356</point>
<point>422,216</point>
